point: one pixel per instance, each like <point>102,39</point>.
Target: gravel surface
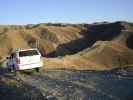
<point>83,85</point>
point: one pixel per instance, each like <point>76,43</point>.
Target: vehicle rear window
<point>28,53</point>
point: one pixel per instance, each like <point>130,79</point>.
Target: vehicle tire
<point>9,69</point>
<point>12,68</point>
<point>37,69</point>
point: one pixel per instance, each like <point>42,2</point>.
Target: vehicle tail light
<point>18,61</point>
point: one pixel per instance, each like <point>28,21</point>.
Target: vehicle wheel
<point>9,69</point>
<point>12,69</point>
<point>37,69</point>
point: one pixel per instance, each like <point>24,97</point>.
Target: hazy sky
<point>75,11</point>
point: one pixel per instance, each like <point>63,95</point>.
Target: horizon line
<point>66,22</point>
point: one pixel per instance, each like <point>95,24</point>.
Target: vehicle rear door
<point>29,57</point>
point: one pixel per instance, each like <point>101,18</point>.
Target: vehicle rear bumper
<point>29,66</point>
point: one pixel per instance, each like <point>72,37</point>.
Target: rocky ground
<point>83,85</point>
<point>115,84</point>
<point>11,87</point>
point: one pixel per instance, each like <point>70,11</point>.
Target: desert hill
<point>80,46</point>
<point>121,32</point>
<point>102,55</point>
<point>47,36</point>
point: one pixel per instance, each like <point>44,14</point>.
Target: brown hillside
<point>102,55</point>
<point>80,45</point>
<point>120,32</point>
<point>48,37</point>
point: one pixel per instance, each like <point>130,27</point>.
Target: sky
<point>66,11</point>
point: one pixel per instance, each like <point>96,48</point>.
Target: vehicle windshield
<point>28,53</point>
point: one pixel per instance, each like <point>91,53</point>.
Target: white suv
<point>25,59</point>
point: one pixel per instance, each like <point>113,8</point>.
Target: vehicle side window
<point>28,53</point>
